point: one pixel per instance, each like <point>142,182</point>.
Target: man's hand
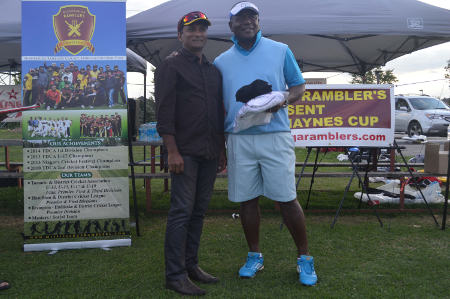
<point>176,163</point>
<point>295,94</point>
<point>174,159</point>
<point>276,108</point>
<point>222,161</point>
<point>281,105</point>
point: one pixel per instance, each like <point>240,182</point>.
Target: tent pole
<point>145,112</point>
<point>133,178</point>
<point>145,98</point>
<point>444,212</point>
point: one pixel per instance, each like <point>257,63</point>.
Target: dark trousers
<point>27,99</point>
<point>51,103</point>
<point>35,96</point>
<point>190,195</point>
<point>40,95</point>
<point>119,91</point>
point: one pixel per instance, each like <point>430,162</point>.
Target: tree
<point>150,107</point>
<point>150,115</point>
<point>370,77</point>
<point>17,79</point>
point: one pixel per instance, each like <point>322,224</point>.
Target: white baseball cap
<point>238,7</point>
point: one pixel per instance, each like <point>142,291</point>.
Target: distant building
<point>316,80</point>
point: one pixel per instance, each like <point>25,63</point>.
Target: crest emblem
<point>74,27</point>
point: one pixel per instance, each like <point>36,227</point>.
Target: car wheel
<point>414,128</point>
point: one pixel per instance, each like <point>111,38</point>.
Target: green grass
<point>406,258</point>
<point>13,133</point>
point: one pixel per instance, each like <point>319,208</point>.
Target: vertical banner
<point>75,145</point>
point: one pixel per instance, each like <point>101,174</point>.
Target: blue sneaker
<point>305,268</point>
<point>255,263</point>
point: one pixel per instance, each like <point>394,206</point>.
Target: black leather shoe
<point>198,274</point>
<point>184,286</point>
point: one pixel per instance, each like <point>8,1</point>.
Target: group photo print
<point>74,124</point>
<point>61,85</point>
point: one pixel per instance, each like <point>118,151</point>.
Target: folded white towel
<point>253,113</point>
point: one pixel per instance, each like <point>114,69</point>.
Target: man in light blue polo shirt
<point>261,159</point>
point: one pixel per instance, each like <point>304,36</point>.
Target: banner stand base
<point>76,245</point>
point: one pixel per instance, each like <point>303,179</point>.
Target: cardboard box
<point>443,162</point>
<point>431,160</point>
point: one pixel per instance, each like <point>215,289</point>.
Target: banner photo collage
<point>75,145</point>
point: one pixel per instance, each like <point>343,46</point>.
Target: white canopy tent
<point>136,63</point>
<point>10,33</point>
<point>328,35</point>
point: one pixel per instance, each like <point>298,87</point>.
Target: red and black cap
<point>189,18</point>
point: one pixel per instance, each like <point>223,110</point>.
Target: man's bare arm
<point>295,94</point>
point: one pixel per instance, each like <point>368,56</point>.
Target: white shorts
<point>261,164</point>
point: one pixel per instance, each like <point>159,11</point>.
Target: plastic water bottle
<point>141,133</point>
<point>147,133</point>
<point>151,132</point>
<point>156,136</point>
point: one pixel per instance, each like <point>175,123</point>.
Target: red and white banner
<point>344,115</point>
<point>11,97</point>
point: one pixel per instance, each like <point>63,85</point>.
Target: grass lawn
<point>406,258</point>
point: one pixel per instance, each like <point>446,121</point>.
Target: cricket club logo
<point>74,26</point>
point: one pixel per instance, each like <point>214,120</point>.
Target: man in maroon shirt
<point>119,80</point>
<point>75,73</point>
<point>53,97</point>
<point>190,116</point>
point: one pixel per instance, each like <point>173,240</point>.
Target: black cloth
<point>189,104</point>
<point>190,195</point>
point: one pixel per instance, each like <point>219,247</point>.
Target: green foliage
<point>150,114</point>
<point>370,77</point>
<point>149,105</point>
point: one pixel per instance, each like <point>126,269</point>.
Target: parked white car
<point>421,115</point>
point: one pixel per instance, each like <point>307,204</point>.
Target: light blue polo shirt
<point>267,60</point>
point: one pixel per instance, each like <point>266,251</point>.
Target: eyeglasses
<point>193,16</point>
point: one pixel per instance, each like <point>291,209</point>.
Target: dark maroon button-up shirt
<point>189,104</point>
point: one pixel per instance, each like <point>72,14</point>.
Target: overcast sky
<point>411,69</point>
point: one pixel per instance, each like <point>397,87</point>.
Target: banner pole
<point>444,212</point>
<point>145,115</point>
<point>133,179</point>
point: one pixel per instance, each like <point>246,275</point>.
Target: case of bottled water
<point>148,132</point>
